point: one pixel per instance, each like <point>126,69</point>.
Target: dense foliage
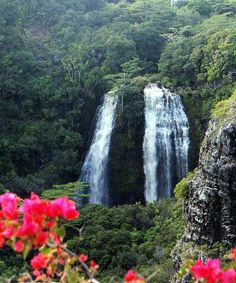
<point>225,108</point>
<point>33,225</point>
<point>59,57</point>
<point>129,236</point>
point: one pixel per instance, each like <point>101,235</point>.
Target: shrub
<point>181,189</point>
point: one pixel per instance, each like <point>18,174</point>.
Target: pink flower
<point>2,241</point>
<point>28,229</point>
<point>198,270</point>
<point>71,214</point>
<point>55,209</point>
<point>130,276</point>
<point>229,276</point>
<point>51,224</point>
<point>63,207</point>
<point>41,238</point>
<point>94,266</point>
<point>9,203</point>
<point>210,272</point>
<point>55,237</point>
<point>39,261</point>
<point>8,232</point>
<point>36,273</point>
<point>18,246</point>
<point>35,208</point>
<point>83,257</point>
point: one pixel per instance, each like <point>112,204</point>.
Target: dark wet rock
<point>210,205</point>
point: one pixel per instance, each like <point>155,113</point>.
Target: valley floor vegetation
<point>119,239</point>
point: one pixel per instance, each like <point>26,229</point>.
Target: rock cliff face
<point>210,205</point>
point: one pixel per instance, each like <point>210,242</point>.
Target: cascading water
<point>173,2</point>
<point>94,170</point>
<point>166,142</point>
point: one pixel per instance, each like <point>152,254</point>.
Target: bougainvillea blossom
<point>33,224</point>
<point>132,276</point>
<point>211,272</point>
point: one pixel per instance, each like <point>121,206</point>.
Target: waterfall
<point>172,2</point>
<point>94,170</point>
<point>166,142</point>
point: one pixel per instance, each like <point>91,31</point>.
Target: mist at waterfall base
<point>166,142</point>
<point>94,170</point>
<point>165,146</point>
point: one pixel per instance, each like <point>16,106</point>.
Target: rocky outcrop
<point>210,205</point>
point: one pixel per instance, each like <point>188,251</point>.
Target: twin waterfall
<point>94,170</point>
<point>165,145</point>
<point>166,142</point>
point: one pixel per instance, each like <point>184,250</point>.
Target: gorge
<point>59,125</point>
<point>165,145</point>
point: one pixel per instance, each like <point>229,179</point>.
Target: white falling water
<point>166,142</point>
<point>173,2</point>
<point>94,170</point>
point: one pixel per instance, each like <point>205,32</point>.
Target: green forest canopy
<point>59,57</point>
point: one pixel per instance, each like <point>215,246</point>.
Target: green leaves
<point>26,250</point>
<point>127,236</point>
<point>181,189</point>
<point>61,232</point>
<point>47,251</point>
<point>72,275</point>
<point>225,109</point>
<point>72,190</point>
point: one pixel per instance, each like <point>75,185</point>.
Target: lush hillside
<point>57,60</point>
<point>59,57</point>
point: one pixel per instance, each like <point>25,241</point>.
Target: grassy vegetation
<point>225,108</point>
<point>181,189</point>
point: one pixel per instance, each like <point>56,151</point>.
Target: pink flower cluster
<point>39,217</point>
<point>132,277</point>
<point>211,272</point>
<point>42,262</point>
<point>49,264</point>
<point>30,224</point>
<point>93,265</point>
